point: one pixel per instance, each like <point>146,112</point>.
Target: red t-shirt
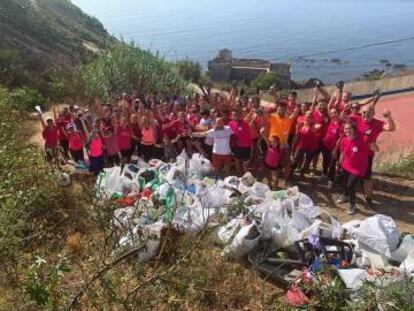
<point>273,157</point>
<point>172,129</point>
<point>124,136</point>
<point>241,132</point>
<point>61,124</point>
<point>300,120</point>
<point>355,155</point>
<point>307,139</point>
<point>75,141</point>
<point>368,131</point>
<point>332,134</point>
<point>51,136</point>
<point>322,121</point>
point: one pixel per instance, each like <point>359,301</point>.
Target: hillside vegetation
<point>43,40</point>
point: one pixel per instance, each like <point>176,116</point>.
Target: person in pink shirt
<point>124,135</point>
<point>95,148</point>
<point>110,141</point>
<point>272,160</point>
<point>354,163</point>
<point>243,142</point>
<point>370,128</point>
<point>330,144</point>
<point>75,143</point>
<point>307,141</point>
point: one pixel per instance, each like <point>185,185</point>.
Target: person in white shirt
<point>220,136</point>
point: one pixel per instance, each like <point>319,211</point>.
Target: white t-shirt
<point>221,138</point>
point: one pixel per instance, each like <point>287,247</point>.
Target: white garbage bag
<point>318,227</point>
<point>353,278</point>
<point>232,181</point>
<point>215,198</point>
<point>284,234</point>
<point>408,264</point>
<point>299,220</point>
<point>183,157</point>
<point>293,194</point>
<point>229,230</point>
<point>199,165</point>
<point>259,189</point>
<point>351,228</point>
<point>248,179</point>
<point>307,207</point>
<point>379,233</point>
<point>244,241</point>
<point>406,246</point>
<point>272,215</point>
<point>123,217</point>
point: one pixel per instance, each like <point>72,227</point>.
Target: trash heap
<point>281,233</point>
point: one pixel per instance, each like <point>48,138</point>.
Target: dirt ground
<point>394,195</point>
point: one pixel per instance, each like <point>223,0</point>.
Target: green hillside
<point>44,38</point>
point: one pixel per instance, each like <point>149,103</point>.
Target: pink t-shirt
<point>75,141</point>
<point>273,157</point>
<point>96,147</point>
<point>124,136</point>
<point>147,136</point>
<point>332,135</point>
<point>355,156</point>
<point>307,139</point>
<point>241,131</point>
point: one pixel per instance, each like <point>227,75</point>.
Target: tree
<point>189,70</point>
<point>265,80</point>
<point>126,68</point>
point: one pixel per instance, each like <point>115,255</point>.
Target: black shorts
<point>241,153</point>
<point>369,170</point>
<point>77,155</point>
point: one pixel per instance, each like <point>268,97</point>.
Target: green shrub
<point>25,98</point>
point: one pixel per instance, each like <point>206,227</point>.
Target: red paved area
<point>401,142</point>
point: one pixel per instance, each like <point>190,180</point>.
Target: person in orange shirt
<point>280,124</point>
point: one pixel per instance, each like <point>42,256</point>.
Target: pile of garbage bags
<point>251,221</point>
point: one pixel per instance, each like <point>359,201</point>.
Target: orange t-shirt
<point>280,127</point>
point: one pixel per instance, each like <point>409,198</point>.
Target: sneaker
<point>342,199</point>
<point>330,184</point>
<point>351,210</point>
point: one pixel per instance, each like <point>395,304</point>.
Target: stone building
<point>226,68</point>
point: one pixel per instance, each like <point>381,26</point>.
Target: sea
<point>327,39</point>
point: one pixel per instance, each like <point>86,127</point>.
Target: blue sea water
<point>278,30</point>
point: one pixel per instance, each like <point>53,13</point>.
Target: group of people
<point>237,133</point>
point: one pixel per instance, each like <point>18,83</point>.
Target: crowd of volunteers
<point>237,133</point>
